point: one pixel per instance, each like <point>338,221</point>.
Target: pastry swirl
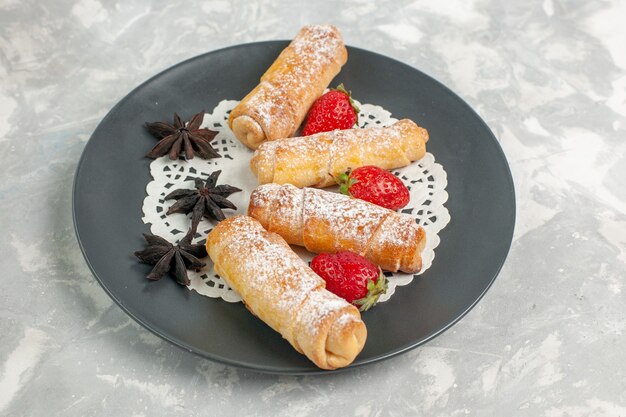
<point>277,286</point>
<point>315,161</point>
<point>324,221</point>
<point>276,107</point>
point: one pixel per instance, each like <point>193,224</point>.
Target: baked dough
<point>315,161</point>
<point>277,286</point>
<point>324,221</point>
<point>277,106</point>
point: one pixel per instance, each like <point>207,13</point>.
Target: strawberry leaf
<point>345,182</point>
<point>374,291</point>
<point>356,109</point>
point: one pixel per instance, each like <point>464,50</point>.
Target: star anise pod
<point>177,137</point>
<point>175,259</point>
<point>207,200</point>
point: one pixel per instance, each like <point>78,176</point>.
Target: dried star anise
<point>165,256</point>
<point>207,200</point>
<point>188,138</point>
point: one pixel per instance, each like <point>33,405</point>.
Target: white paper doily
<point>425,179</point>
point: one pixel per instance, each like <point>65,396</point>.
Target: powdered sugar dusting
<point>354,220</point>
<point>267,107</point>
<point>313,48</point>
<point>274,281</point>
<point>262,195</point>
<point>319,306</point>
<point>345,319</point>
<point>267,259</point>
<point>315,160</point>
<point>296,78</point>
<point>304,64</point>
<point>425,179</point>
<point>396,236</point>
<point>324,221</point>
<point>318,44</point>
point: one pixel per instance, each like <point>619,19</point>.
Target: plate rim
<point>251,366</point>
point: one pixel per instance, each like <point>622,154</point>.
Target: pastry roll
<point>323,221</point>
<point>277,106</point>
<point>315,161</point>
<point>277,286</point>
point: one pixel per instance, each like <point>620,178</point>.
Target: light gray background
<point>549,77</point>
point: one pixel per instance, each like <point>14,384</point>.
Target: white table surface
<point>549,78</point>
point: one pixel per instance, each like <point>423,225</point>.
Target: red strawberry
<point>351,277</point>
<point>375,185</point>
<point>333,110</point>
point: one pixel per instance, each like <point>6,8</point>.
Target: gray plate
<point>111,177</point>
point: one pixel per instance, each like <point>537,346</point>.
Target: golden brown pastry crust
<point>280,288</point>
<point>315,161</point>
<point>277,106</point>
<point>323,221</point>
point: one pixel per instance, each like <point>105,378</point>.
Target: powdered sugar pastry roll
<point>277,286</point>
<point>276,107</point>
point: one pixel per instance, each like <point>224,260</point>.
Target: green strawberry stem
<point>374,291</point>
<point>345,182</point>
<point>356,109</point>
